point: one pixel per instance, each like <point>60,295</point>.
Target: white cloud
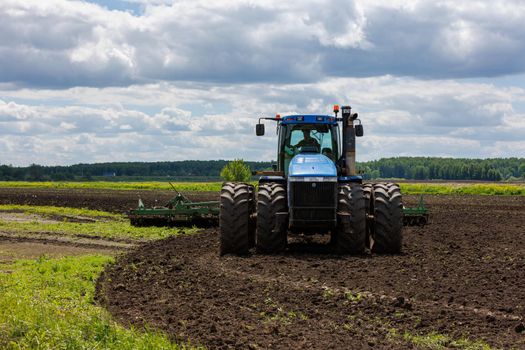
<point>401,116</point>
<point>60,43</point>
<point>187,79</point>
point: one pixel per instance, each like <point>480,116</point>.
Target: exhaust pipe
<point>349,140</point>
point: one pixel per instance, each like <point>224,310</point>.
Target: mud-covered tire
<point>369,208</point>
<point>253,218</point>
<point>236,205</point>
<point>271,235</point>
<point>387,230</point>
<point>351,220</point>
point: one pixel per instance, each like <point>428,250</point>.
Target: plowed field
<point>96,199</point>
<point>460,282</point>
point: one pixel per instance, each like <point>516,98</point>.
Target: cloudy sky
<point>149,80</point>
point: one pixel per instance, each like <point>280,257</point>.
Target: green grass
<point>153,185</point>
<point>462,189</point>
<point>117,227</point>
<point>121,230</point>
<point>407,188</point>
<point>436,341</point>
<point>50,211</point>
<point>48,304</point>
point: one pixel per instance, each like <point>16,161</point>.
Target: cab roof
<point>309,119</point>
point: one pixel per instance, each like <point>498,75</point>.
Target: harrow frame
<point>178,210</point>
<point>417,216</point>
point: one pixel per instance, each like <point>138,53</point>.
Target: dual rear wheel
<point>350,234</point>
<point>368,215</point>
<point>272,222</point>
<point>238,225</point>
<point>384,210</point>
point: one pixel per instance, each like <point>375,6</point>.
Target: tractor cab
<point>314,134</point>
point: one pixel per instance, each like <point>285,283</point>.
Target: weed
<point>278,314</point>
<point>328,292</point>
<point>439,341</point>
<point>353,297</point>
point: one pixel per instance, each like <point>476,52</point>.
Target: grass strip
<point>464,189</point>
<point>48,304</point>
<point>117,227</point>
<point>50,211</point>
<point>407,188</point>
<point>150,185</point>
<point>110,229</point>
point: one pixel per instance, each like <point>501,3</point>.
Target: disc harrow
<point>417,216</point>
<point>178,211</point>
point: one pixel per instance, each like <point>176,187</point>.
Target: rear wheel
<point>387,232</point>
<point>369,209</point>
<point>253,218</point>
<point>351,216</point>
<point>271,228</point>
<point>234,218</point>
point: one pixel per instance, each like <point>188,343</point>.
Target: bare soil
<point>32,245</point>
<point>461,276</point>
<point>25,217</point>
<point>11,250</point>
<point>117,201</point>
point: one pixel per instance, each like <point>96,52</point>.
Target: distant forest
<point>412,168</point>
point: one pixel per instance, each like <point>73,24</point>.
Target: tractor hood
<point>311,164</point>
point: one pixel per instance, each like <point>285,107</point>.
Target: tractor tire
<point>387,232</point>
<point>253,218</point>
<point>369,208</point>
<point>271,234</point>
<point>236,205</point>
<point>351,217</point>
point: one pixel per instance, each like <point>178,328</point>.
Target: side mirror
<point>359,130</point>
<point>274,167</point>
<point>259,129</point>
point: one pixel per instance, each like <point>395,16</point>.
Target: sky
<point>161,80</point>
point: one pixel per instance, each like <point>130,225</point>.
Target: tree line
<point>433,168</point>
<point>188,169</point>
<point>412,168</point>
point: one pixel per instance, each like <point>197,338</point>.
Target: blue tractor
<point>314,189</point>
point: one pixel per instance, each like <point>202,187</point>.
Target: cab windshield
<point>306,138</point>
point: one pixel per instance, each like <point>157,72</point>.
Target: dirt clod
<point>520,328</point>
